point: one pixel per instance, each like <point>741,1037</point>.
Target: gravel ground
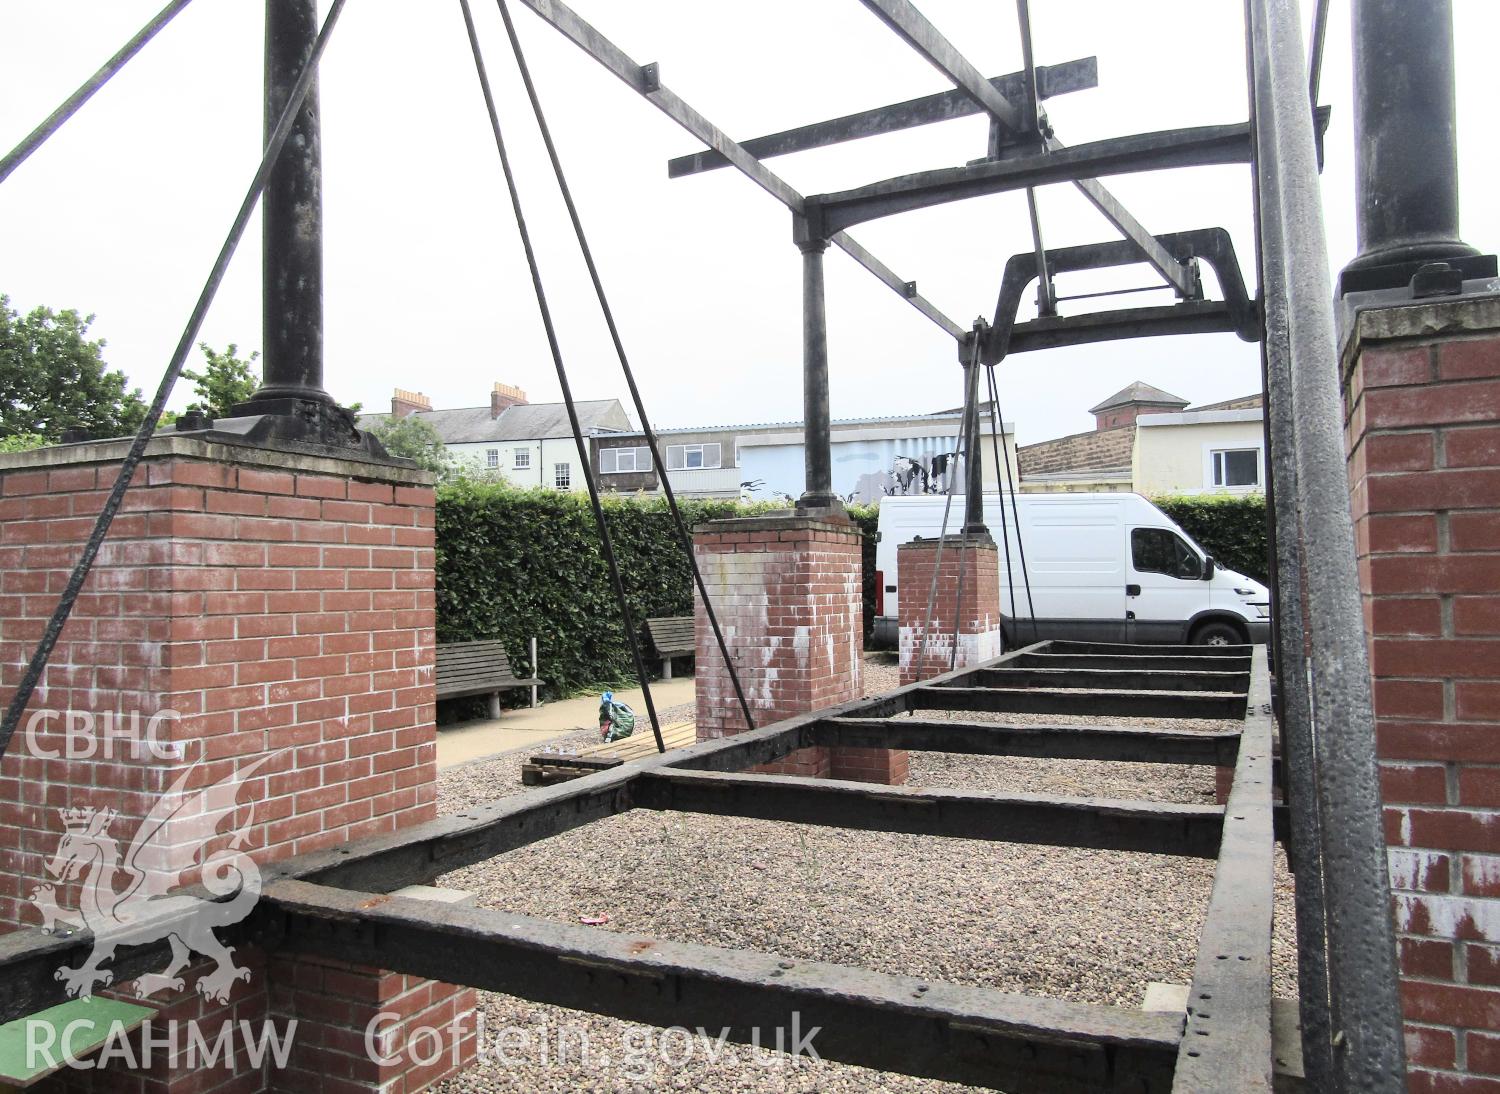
<point>1090,926</point>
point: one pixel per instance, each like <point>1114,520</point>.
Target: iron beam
<point>1052,80</point>
<point>1138,152</point>
<point>1133,679</point>
<point>1118,704</point>
<point>917,31</point>
<point>1331,656</point>
<point>1229,1002</point>
<point>1135,649</point>
<point>895,1023</point>
<point>1183,278</point>
<point>416,855</point>
<point>1183,663</point>
<point>29,957</point>
<point>1299,787</point>
<point>30,960</point>
<point>1116,743</point>
<point>907,290</point>
<point>1184,317</point>
<point>1097,823</point>
<point>645,80</point>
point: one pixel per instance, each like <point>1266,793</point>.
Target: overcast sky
<point>425,286</point>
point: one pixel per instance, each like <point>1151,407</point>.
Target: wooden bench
<point>478,668</point>
<point>548,767</point>
<point>673,637</point>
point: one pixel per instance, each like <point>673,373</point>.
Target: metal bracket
<point>1236,313</point>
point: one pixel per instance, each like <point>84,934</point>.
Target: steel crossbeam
<point>338,903</point>
<point>918,31</point>
<point>646,81</point>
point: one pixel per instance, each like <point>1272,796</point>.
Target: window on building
<point>1158,551</point>
<point>620,461</point>
<point>492,457</point>
<point>562,476</point>
<point>522,459</point>
<point>1236,467</point>
<point>687,457</point>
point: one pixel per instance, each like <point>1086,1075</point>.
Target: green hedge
<point>1232,529</point>
<point>867,519</point>
<point>512,564</point>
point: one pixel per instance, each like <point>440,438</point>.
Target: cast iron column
<point>973,456</point>
<point>293,222</point>
<point>1405,139</point>
<point>816,425</point>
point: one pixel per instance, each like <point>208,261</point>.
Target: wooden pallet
<point>546,767</point>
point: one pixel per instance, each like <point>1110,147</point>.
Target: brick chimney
<point>504,396</point>
<point>408,402</point>
<point>1130,403</point>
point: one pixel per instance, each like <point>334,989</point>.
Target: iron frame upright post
<point>1405,140</point>
<point>1336,726</point>
<point>292,221</point>
<point>817,425</point>
<point>973,451</point>
<point>291,407</point>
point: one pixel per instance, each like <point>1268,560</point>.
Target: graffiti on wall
<point>908,475</point>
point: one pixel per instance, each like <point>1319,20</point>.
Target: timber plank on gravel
<point>548,767</point>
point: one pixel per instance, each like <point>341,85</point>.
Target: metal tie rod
<point>606,542</point>
<point>645,80</point>
<point>274,143</point>
<point>918,32</point>
<point>74,102</point>
<point>608,314</point>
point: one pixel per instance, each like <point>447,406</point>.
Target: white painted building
<point>1148,441</point>
<point>528,444</point>
<point>1200,452</point>
<point>872,457</point>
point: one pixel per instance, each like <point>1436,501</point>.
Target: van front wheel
<point>1218,634</point>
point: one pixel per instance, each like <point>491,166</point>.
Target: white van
<point>1103,568</point>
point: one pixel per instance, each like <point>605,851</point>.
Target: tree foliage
<point>53,378</point>
<point>413,438</point>
<point>224,381</point>
<point>21,442</point>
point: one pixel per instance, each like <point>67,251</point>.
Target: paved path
<point>527,728</point>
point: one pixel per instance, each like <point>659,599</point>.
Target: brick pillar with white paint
<point>972,623</point>
<point>1422,400</point>
<point>788,592</point>
<point>274,612</point>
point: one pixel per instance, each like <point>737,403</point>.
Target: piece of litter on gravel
<point>593,920</point>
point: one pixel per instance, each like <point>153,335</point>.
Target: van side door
<point>1165,586</point>
<point>1072,565</point>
